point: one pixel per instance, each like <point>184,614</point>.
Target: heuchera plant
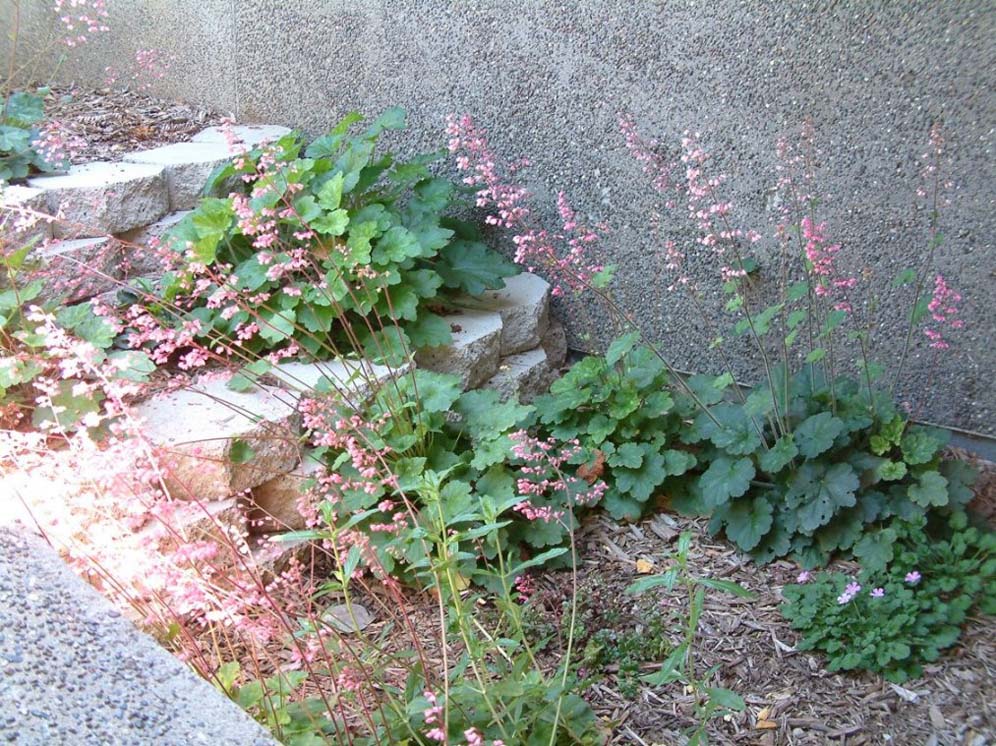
<point>811,459</point>
<point>29,143</point>
<point>902,613</point>
<point>491,474</point>
<point>321,250</point>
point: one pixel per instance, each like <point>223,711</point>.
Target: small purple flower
<point>852,589</point>
<point>878,592</point>
<point>844,598</point>
<point>804,577</point>
<point>913,577</point>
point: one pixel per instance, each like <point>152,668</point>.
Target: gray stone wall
<point>548,78</point>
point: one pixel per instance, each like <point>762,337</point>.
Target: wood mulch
<point>753,647</point>
<point>114,122</point>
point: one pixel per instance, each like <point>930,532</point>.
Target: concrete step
<point>74,671</point>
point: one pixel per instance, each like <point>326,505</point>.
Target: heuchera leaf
<point>779,455</point>
<point>919,446</point>
<point>747,521</point>
<point>816,434</point>
<point>818,492</point>
<point>932,489</point>
<point>726,478</point>
<point>472,267</point>
<point>640,482</point>
<point>621,346</point>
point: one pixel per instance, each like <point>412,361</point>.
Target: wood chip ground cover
<point>115,122</point>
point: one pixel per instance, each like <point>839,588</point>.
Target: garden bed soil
<point>754,647</point>
<point>114,122</point>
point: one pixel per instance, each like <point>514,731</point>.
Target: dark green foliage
<point>619,407</point>
<point>913,620</point>
<point>22,115</point>
<point>833,465</point>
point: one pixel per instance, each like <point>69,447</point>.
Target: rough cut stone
<point>524,376</point>
<point>273,505</point>
<point>356,380</point>
<point>138,254</point>
<point>524,305</point>
<point>95,199</point>
<point>474,352</point>
<point>187,166</point>
<point>220,521</point>
<point>348,618</point>
<point>196,428</point>
<point>554,342</point>
<point>80,269</point>
<point>250,134</point>
<point>17,226</point>
<point>272,555</point>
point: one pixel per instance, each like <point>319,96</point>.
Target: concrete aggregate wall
<point>548,78</point>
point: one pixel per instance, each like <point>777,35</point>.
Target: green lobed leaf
<point>747,521</point>
<point>816,434</point>
<point>726,478</point>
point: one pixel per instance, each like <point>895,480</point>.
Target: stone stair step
<point>187,166</point>
<point>271,555</point>
<point>524,376</point>
<point>80,269</point>
<point>273,505</point>
<point>250,134</point>
<point>188,522</point>
<point>554,342</point>
<point>356,379</point>
<point>138,253</point>
<point>524,306</point>
<point>195,429</point>
<point>96,199</point>
<point>474,352</point>
<point>16,227</point>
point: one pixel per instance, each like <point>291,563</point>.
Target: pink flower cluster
<point>535,247</point>
<point>149,66</point>
<point>433,717</point>
<point>549,492</point>
<point>701,194</point>
<point>646,153</point>
<point>57,145</point>
<point>80,18</point>
<point>852,590</point>
<point>707,208</point>
<point>943,309</point>
<point>820,255</point>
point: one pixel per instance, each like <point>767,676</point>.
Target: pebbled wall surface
<point>548,78</point>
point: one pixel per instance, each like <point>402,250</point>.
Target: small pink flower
<point>804,577</point>
<point>913,577</point>
<point>853,589</point>
<point>878,593</point>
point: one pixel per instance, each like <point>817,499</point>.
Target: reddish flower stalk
<point>535,247</point>
<point>943,309</point>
